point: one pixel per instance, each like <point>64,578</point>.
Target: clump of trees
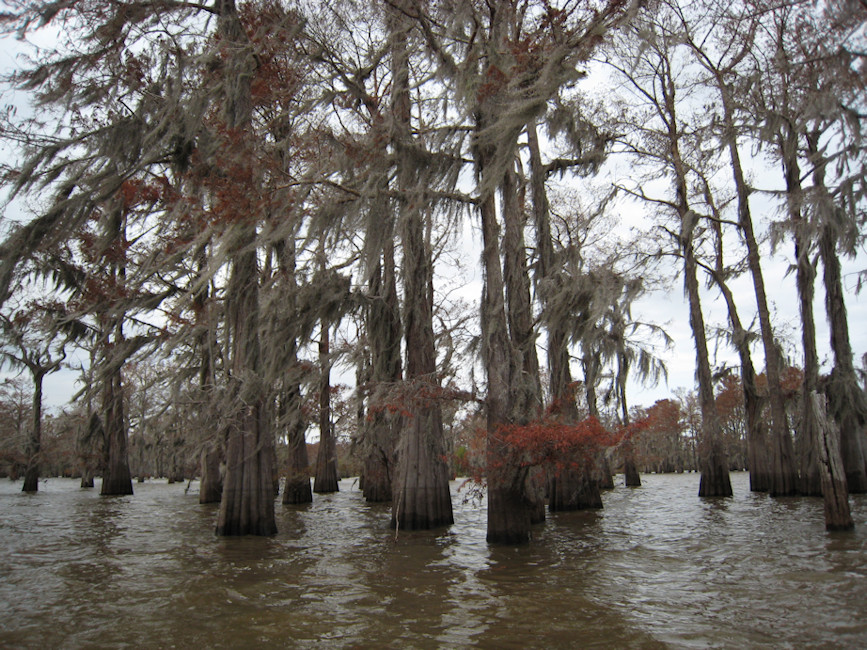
<point>229,200</point>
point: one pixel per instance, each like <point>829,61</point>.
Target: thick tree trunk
<point>211,484</point>
<point>34,440</point>
<point>630,470</point>
<point>297,488</point>
<point>421,492</point>
<point>508,510</point>
<point>604,474</point>
<point>846,400</point>
<point>421,496</point>
<point>834,489</point>
<point>116,478</point>
<point>247,505</point>
<point>573,489</point>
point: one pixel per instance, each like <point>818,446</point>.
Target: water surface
<point>658,567</point>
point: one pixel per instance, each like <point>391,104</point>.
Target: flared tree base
<point>297,492</point>
<point>508,518</point>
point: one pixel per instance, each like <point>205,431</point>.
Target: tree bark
<point>297,488</point>
<point>326,477</point>
<point>116,478</point>
<point>382,429</point>
<point>421,496</point>
<point>846,398</point>
<point>508,510</point>
<point>783,473</point>
<point>572,488</point>
<point>834,489</point>
<point>247,505</point>
<point>527,385</point>
<point>34,440</point>
<point>211,484</point>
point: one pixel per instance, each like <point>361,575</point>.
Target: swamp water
<point>658,567</point>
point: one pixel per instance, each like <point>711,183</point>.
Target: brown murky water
<point>657,567</point>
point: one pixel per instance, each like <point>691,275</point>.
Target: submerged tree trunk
<point>421,495</point>
<point>527,385</point>
<point>715,480</point>
<point>34,440</point>
<point>326,477</point>
<point>297,488</point>
<point>85,444</point>
<point>509,513</point>
<point>573,487</point>
<point>834,489</point>
<point>116,478</point>
<point>630,470</point>
<point>846,401</point>
<point>211,484</point>
<point>247,505</point>
<point>382,428</point>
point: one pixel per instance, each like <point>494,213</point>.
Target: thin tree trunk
<point>527,388</point>
<point>573,487</point>
<point>326,477</point>
<point>34,440</point>
<point>783,473</point>
<point>211,483</point>
<point>384,330</point>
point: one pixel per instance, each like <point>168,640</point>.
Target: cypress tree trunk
<point>211,485</point>
<point>757,446</point>
<point>571,488</point>
<point>297,489</point>
<point>384,330</point>
<point>290,417</point>
<point>527,389</point>
<point>34,440</point>
<point>808,441</point>
<point>630,471</point>
<point>846,400</point>
<point>834,489</point>
<point>421,497</point>
<point>326,477</point>
<point>421,492</point>
<point>116,478</point>
<point>247,504</point>
<point>84,445</point>
<point>509,513</point>
<point>783,472</point>
<point>715,480</point>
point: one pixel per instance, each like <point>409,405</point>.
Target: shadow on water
<point>657,567</point>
